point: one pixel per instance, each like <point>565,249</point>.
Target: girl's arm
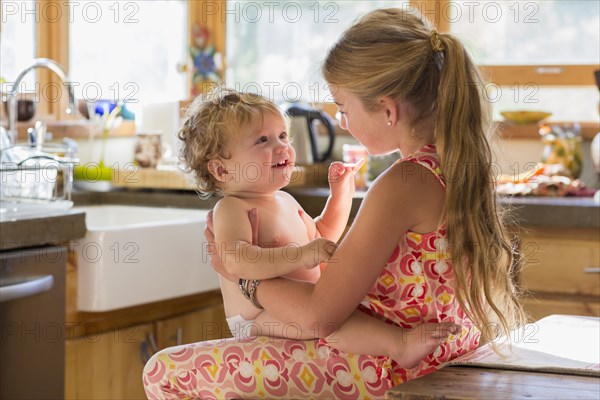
<point>400,199</point>
<point>241,258</point>
<point>334,218</point>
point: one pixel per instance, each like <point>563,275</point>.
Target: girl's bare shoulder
<point>408,191</point>
<point>404,177</point>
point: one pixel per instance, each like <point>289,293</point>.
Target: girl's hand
<point>317,251</point>
<point>213,248</point>
<point>341,177</point>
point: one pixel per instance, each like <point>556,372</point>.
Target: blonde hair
<point>392,52</point>
<point>210,122</point>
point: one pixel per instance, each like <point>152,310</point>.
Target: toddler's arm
<point>334,218</point>
<point>233,238</point>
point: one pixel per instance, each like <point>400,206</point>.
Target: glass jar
<point>351,154</point>
<point>563,146</point>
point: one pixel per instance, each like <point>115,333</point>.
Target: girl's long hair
<point>392,52</point>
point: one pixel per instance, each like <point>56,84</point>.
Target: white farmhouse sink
<point>137,255</point>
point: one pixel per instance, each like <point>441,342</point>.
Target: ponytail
<point>485,262</point>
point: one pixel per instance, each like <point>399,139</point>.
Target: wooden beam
<point>52,42</point>
<point>543,75</point>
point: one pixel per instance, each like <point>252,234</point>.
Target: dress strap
<point>428,158</point>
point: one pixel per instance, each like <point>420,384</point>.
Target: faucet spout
<point>12,94</point>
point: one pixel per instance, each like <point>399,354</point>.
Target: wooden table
<point>483,383</point>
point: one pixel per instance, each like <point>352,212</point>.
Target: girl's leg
<point>262,367</point>
<point>364,334</point>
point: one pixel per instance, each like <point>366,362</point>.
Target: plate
<point>525,117</point>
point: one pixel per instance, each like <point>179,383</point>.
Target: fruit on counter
<point>531,174</point>
<point>525,117</point>
<point>543,180</point>
<point>92,172</point>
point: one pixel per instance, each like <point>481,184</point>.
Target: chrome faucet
<point>12,94</point>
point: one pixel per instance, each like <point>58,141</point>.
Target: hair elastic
<point>436,43</point>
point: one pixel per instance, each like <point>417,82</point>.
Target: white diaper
<point>239,326</point>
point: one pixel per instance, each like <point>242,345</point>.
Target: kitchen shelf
<point>508,130</point>
<point>74,129</point>
<point>171,178</point>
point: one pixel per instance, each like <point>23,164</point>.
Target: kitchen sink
<point>134,255</point>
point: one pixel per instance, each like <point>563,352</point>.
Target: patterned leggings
<point>267,368</point>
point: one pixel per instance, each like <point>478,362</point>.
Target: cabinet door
<point>561,265</point>
<point>106,365</point>
<point>540,308</point>
<point>206,324</point>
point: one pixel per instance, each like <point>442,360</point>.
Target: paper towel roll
<point>163,117</point>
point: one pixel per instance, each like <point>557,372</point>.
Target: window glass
<point>528,32</point>
<point>276,48</point>
<point>17,41</point>
<point>129,50</point>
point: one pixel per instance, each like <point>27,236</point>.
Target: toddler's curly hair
<point>210,122</point>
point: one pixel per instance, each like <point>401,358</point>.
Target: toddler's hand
<point>318,251</point>
<point>341,177</point>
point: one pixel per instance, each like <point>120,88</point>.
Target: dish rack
<point>36,175</point>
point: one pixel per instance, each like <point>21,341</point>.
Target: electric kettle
<point>303,133</point>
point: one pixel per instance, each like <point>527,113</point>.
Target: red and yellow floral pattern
<point>416,286</point>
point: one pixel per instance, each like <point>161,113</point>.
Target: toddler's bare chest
<point>282,227</point>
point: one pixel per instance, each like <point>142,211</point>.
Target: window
<point>554,34</point>
<point>129,50</point>
<point>275,48</point>
<point>17,41</point>
<point>526,32</point>
<point>278,49</point>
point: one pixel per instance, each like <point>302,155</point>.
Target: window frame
<point>508,75</point>
<point>53,43</point>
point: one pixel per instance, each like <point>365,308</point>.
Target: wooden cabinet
<point>109,365</point>
<point>106,365</point>
<point>105,352</point>
<point>201,325</point>
<point>561,274</point>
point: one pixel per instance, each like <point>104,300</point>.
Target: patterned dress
<point>416,286</point>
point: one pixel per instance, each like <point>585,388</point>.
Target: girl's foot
<point>418,342</point>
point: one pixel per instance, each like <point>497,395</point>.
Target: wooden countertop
<point>484,383</point>
<point>557,359</point>
<point>42,230</point>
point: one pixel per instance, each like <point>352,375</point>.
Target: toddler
<point>237,146</point>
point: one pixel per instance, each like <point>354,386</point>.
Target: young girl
<point>237,145</point>
<point>428,231</point>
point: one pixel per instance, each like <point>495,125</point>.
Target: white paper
<point>558,343</point>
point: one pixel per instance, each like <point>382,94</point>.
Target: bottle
<point>351,154</point>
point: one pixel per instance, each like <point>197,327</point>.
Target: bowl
<point>525,117</point>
